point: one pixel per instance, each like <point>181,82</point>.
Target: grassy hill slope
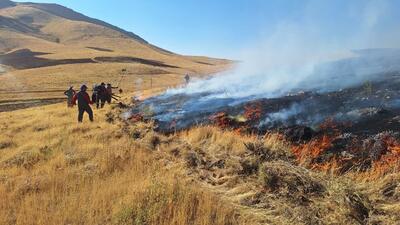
<point>53,47</point>
<point>66,173</point>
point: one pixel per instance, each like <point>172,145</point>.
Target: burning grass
<point>328,149</point>
<point>389,162</point>
<point>253,112</point>
<point>372,157</point>
<point>241,123</point>
<point>310,151</point>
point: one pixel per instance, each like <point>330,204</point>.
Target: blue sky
<point>227,28</point>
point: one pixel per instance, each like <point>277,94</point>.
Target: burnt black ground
<point>369,109</point>
<point>360,94</point>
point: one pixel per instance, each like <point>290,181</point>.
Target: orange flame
<point>136,117</point>
<point>312,150</point>
<point>221,120</point>
<point>390,162</point>
<point>253,112</point>
<point>306,154</point>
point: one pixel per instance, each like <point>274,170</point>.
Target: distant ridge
<point>70,14</point>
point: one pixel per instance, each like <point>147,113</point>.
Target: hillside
<point>44,48</point>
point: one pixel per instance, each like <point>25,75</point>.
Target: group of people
<point>101,94</point>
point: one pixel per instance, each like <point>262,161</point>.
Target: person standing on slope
<point>187,79</point>
<point>95,92</point>
<point>101,95</point>
<point>109,93</point>
<point>83,104</point>
<point>70,94</point>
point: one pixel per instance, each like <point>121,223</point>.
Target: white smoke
<point>282,116</point>
<point>296,56</point>
<point>139,89</point>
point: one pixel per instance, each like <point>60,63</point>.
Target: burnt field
<point>367,109</point>
<point>355,128</point>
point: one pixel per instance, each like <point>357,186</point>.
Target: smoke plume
<point>305,59</point>
<point>305,56</point>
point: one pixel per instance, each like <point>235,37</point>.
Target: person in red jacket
<point>83,104</point>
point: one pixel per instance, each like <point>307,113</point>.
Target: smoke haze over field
<point>300,55</point>
<point>295,55</point>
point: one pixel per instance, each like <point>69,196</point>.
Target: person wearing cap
<point>70,94</point>
<point>83,104</point>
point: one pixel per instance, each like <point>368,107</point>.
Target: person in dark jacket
<point>70,94</point>
<point>187,79</point>
<point>83,104</point>
<point>109,93</point>
<point>94,93</point>
<point>101,95</point>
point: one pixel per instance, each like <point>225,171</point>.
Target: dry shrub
<point>6,144</point>
<point>33,184</point>
<point>249,166</point>
<point>110,118</point>
<point>384,195</point>
<point>75,158</point>
<point>288,180</point>
<point>154,141</point>
<point>344,203</point>
<point>240,152</point>
<point>40,128</point>
<point>269,148</point>
<point>266,152</point>
<point>212,139</point>
<point>390,187</point>
<point>25,159</point>
<point>357,207</point>
<point>192,159</point>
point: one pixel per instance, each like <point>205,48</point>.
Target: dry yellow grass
<point>22,84</point>
<point>55,171</point>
